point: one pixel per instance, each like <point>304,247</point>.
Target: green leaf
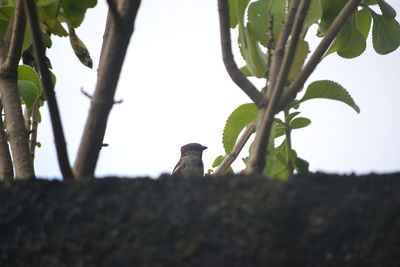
<point>278,128</point>
<point>232,13</point>
<point>6,13</point>
<point>245,71</point>
<point>28,92</point>
<point>363,19</point>
<point>259,16</point>
<point>301,165</point>
<point>53,25</point>
<point>387,11</point>
<point>240,117</point>
<point>330,9</point>
<point>74,10</point>
<point>314,14</point>
<point>256,60</point>
<point>329,90</point>
<point>79,48</point>
<point>300,56</point>
<point>385,33</point>
<point>350,42</point>
<point>29,74</point>
<point>217,161</point>
<point>291,116</point>
<point>50,7</point>
<point>298,123</point>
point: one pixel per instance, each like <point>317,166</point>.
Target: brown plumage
<point>190,163</point>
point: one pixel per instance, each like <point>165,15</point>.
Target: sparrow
<point>190,163</point>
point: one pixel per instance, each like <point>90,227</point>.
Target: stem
<point>16,132</point>
<point>319,52</point>
<point>39,48</point>
<point>266,117</point>
<point>236,75</point>
<point>112,57</point>
<point>35,122</point>
<point>229,159</point>
<point>6,167</point>
<point>288,132</point>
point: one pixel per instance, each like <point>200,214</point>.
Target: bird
<point>190,163</point>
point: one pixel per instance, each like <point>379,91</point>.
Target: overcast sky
<point>175,90</point>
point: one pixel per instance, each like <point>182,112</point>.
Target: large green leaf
<point>29,74</point>
<point>74,10</point>
<point>255,58</point>
<point>330,9</point>
<point>387,10</point>
<point>50,7</point>
<point>239,118</point>
<point>363,19</point>
<point>328,90</point>
<point>385,33</point>
<point>350,42</point>
<point>28,92</point>
<point>259,16</point>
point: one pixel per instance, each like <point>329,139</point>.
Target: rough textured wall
<point>314,220</point>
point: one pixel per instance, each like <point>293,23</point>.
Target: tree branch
<point>112,7</point>
<point>319,52</point>
<point>279,51</point>
<point>16,132</point>
<point>39,49</point>
<point>115,43</point>
<point>228,160</point>
<point>15,35</point>
<point>6,167</point>
<point>227,56</point>
<point>266,117</point>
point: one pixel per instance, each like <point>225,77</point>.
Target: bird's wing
<point>178,168</point>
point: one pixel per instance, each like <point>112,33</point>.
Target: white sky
<point>175,90</point>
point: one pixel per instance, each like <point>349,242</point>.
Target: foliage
<point>257,38</point>
<point>53,16</point>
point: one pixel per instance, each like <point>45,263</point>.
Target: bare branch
<point>90,97</point>
<point>228,160</point>
<point>6,167</point>
<point>227,56</point>
<point>266,117</point>
<point>39,48</point>
<point>35,122</point>
<point>319,52</point>
<point>115,43</point>
<point>15,35</point>
<point>279,51</point>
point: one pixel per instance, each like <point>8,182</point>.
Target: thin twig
<point>266,117</point>
<point>236,75</point>
<point>229,159</point>
<point>90,97</point>
<point>35,122</point>
<point>39,48</point>
<point>319,52</point>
